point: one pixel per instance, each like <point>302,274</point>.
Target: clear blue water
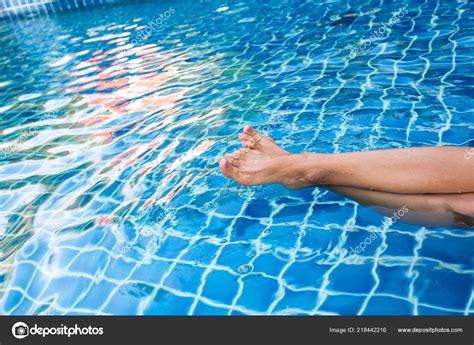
<point>111,199</point>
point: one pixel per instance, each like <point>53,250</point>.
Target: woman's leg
<point>452,210</point>
<point>410,170</point>
<point>405,171</point>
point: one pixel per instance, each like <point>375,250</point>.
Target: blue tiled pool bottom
<point>112,202</point>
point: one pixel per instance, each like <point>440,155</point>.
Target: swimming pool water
<point>111,120</point>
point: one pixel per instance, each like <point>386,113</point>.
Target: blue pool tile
<point>33,251</point>
<point>246,229</point>
<point>322,240</point>
<point>181,199</point>
<point>399,244</point>
<point>258,292</point>
<point>13,301</point>
<point>281,236</point>
<point>230,205</point>
<point>221,286</point>
<point>368,217</point>
<point>205,309</point>
<point>217,227</point>
<point>152,272</point>
<point>138,290</point>
<point>185,278</point>
<point>331,215</point>
<point>119,268</point>
<point>393,280</point>
<point>97,291</point>
<point>380,305</point>
<point>351,278</point>
<point>269,264</point>
<point>293,301</point>
<point>427,311</point>
<point>69,296</point>
<point>189,221</point>
<point>424,137</point>
<point>449,249</point>
<point>286,200</point>
<point>24,273</point>
<point>90,262</point>
<point>36,287</point>
<point>442,287</point>
<point>290,214</point>
<point>304,194</point>
<point>235,255</point>
<point>328,196</point>
<point>65,256</point>
<point>24,307</point>
<point>258,208</point>
<point>167,303</point>
<point>453,136</point>
<point>362,243</point>
<point>202,252</point>
<point>306,273</point>
<point>126,300</point>
<point>171,247</point>
<point>343,304</point>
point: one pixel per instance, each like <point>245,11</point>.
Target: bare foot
<point>261,161</point>
<point>259,142</point>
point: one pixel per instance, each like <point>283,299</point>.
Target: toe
<point>237,154</point>
<point>226,167</point>
<point>233,161</point>
<point>249,130</point>
<point>247,140</point>
<point>245,137</point>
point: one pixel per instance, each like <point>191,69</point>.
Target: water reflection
<point>112,148</point>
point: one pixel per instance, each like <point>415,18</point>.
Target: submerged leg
<point>452,210</point>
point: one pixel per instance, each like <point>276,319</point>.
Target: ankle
<point>312,169</point>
